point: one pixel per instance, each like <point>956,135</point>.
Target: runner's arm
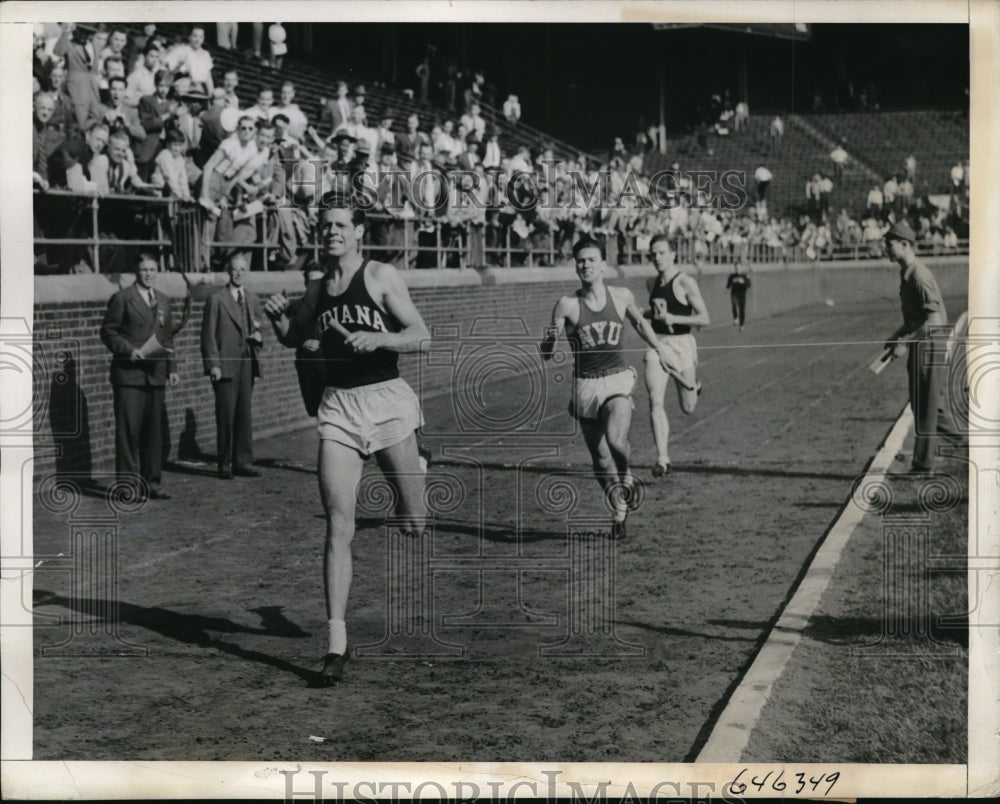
<point>637,319</point>
<point>555,329</point>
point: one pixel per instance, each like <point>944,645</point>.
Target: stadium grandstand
<point>198,140</point>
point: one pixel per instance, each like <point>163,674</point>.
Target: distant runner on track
<point>593,318</point>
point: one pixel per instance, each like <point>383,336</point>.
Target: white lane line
<point>732,731</point>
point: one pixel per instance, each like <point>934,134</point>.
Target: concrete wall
<point>74,419</point>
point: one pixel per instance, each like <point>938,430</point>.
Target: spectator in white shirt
<point>875,201</point>
<point>226,34</point>
<point>763,177</point>
<point>474,122</point>
<point>357,129</point>
<point>459,141</point>
<point>742,117</point>
<point>889,190</point>
<point>839,158</point>
<point>957,175</point>
<point>171,173</point>
<point>521,161</point>
<point>443,141</point>
<point>194,60</point>
<point>492,154</point>
<point>265,105</point>
<point>220,174</point>
<point>142,80</point>
<point>512,109</point>
<point>297,121</point>
<point>910,163</point>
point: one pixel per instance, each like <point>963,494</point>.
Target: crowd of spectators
<point>116,115</point>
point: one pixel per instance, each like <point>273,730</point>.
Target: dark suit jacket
<point>408,145</point>
<point>151,113</point>
<point>224,332</point>
<point>128,323</point>
<point>330,117</point>
<point>81,71</point>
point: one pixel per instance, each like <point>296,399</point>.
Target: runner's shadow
<point>276,463</point>
<point>871,631</point>
<point>194,629</point>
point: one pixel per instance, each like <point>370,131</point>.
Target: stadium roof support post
<point>663,108</point>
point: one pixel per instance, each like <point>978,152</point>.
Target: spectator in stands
<point>114,67</point>
<point>231,80</point>
<point>258,42</point>
<point>521,161</point>
<point>193,59</point>
<point>255,183</point>
<point>762,176</point>
<point>70,165</point>
<point>839,158</point>
<point>213,132</point>
<point>155,113</point>
<point>423,72</point>
<point>297,121</point>
<point>286,146</point>
<point>225,34</point>
<point>115,171</point>
<point>277,37</point>
<point>220,173</point>
<point>143,40</point>
<point>384,135</point>
<point>957,175</point>
<point>512,109</point>
<point>469,158</point>
<point>825,191</point>
<point>889,191</point>
<point>777,132</point>
<point>408,144</point>
<point>459,141</point>
<point>171,174</point>
<point>118,115</point>
<point>142,79</point>
<point>905,194</point>
<point>361,133</point>
<point>82,51</point>
<point>46,138</point>
<point>442,140</point>
<point>335,112</point>
<point>474,122</point>
<point>875,200</point>
<point>474,92</point>
<point>359,95</point>
<point>742,117</point>
<point>491,151</point>
<point>264,110</point>
<point>63,117</point>
<point>910,164</point>
<point>115,49</point>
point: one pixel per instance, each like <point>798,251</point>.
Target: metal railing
<point>410,242</point>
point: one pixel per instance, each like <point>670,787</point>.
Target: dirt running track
<point>220,587</point>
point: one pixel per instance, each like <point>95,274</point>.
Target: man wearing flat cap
<point>922,337</point>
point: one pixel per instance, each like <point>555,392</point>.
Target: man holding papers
<point>139,331</point>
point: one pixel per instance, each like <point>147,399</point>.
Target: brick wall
<point>72,396</point>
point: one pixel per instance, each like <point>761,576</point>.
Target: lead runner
<point>593,318</point>
<point>366,408</point>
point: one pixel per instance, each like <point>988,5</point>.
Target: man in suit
<point>155,114</point>
<point>82,51</point>
<point>139,375</point>
<point>230,336</point>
